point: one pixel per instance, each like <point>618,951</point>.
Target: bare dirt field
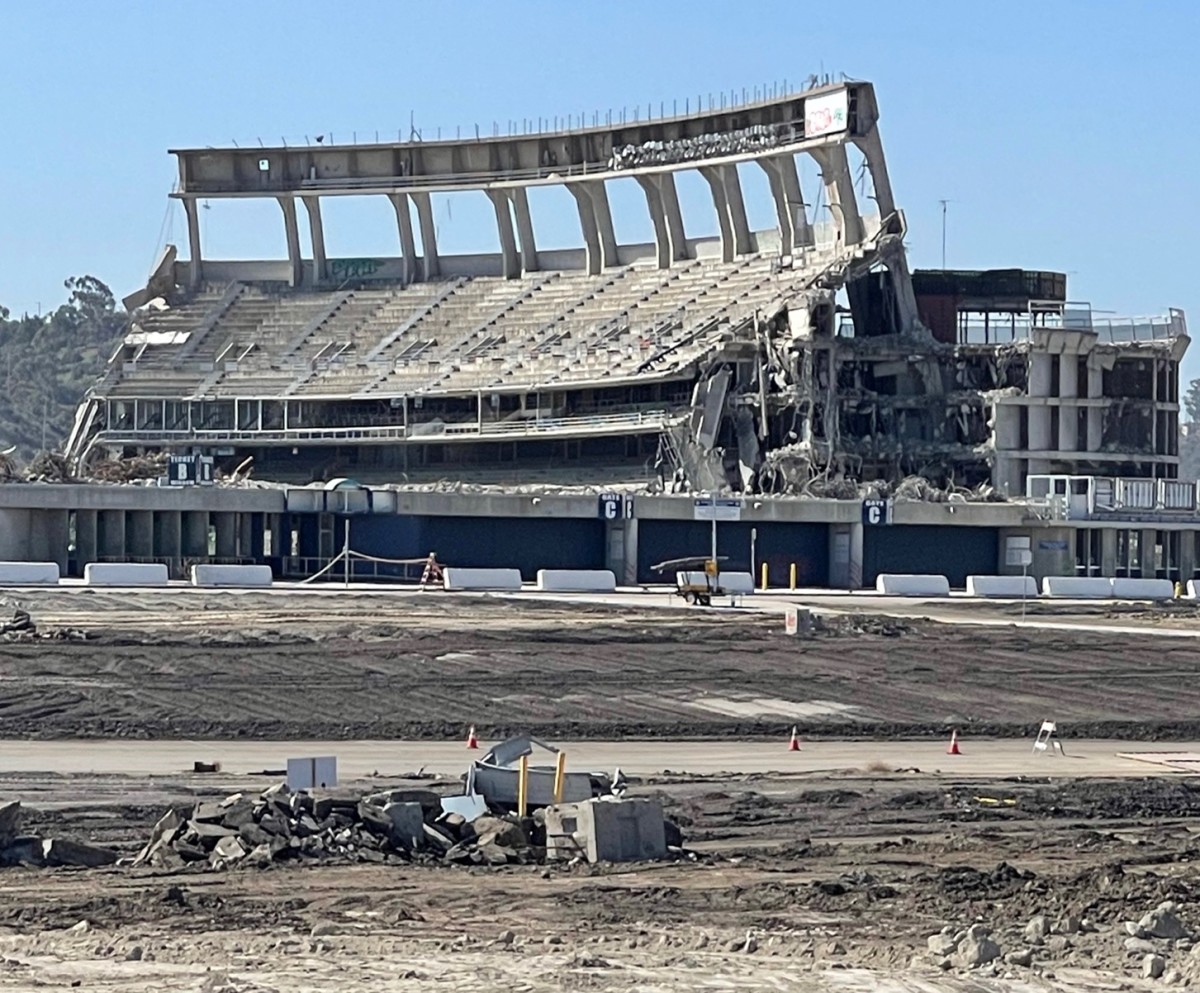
<point>834,880</point>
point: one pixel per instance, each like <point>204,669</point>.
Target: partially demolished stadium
<point>804,360</point>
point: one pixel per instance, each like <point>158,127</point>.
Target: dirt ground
<point>821,881</point>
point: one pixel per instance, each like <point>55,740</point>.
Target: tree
<point>1191,401</point>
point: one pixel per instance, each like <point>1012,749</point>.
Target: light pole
<point>944,204</point>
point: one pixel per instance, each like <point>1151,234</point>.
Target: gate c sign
<point>876,512</point>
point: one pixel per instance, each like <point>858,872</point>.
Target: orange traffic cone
<point>794,743</point>
<point>472,740</point>
<point>953,749</point>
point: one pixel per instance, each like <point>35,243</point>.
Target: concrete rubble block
<point>430,802</point>
<point>407,824</point>
<point>1139,946</point>
<point>10,820</point>
<point>941,944</point>
<point>208,832</point>
<point>165,831</point>
<point>976,948</point>
<point>238,814</point>
<point>498,831</point>
<point>1036,930</point>
<point>326,802</point>
<point>18,850</point>
<point>1022,958</point>
<point>439,839</point>
<point>607,829</point>
<point>229,850</point>
<point>208,813</point>
<point>274,824</point>
<point>1153,966</point>
<point>373,818</point>
<point>1162,922</point>
<point>59,851</point>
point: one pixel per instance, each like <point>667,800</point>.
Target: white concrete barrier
<point>28,573</point>
<point>577,580</point>
<point>1142,589</point>
<point>1191,589</point>
<point>1002,586</point>
<point>736,582</point>
<point>231,575</point>
<point>895,584</point>
<point>454,578</point>
<point>125,574</point>
<point>1077,587</point>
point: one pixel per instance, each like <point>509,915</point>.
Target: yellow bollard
<point>792,577</point>
<point>763,585</point>
<point>523,786</point>
<point>560,773</point>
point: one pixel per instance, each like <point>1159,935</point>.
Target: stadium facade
<point>797,368</point>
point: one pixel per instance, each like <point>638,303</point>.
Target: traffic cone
<point>794,743</point>
<point>953,749</point>
<point>472,740</point>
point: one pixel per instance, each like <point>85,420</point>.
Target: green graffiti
<point>340,269</point>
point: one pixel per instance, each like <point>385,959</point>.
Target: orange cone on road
<point>953,749</point>
<point>472,740</point>
<point>794,743</point>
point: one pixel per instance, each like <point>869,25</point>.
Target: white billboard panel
<point>826,114</point>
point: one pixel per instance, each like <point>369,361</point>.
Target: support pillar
<point>1108,551</point>
<point>139,534</point>
<point>630,577</point>
<point>288,206</point>
<point>110,533</point>
<point>587,225</point>
<point>872,148</point>
<point>1095,415</point>
<point>245,536</point>
<point>317,233</point>
<point>658,217</point>
<point>85,539</point>
<point>226,524</point>
<point>49,536</point>
<point>839,193</point>
<point>196,269</point>
<point>1187,555</point>
<point>604,223</point>
<point>670,202</point>
<point>194,537</point>
<point>168,537</point>
<point>1149,553</point>
<point>735,204</point>
<point>431,263</point>
<point>789,179</point>
<point>511,264</point>
<point>715,185</point>
<point>783,212</point>
<point>408,244</point>
<point>520,202</point>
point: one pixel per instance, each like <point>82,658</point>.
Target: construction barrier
<point>28,573</point>
<point>894,584</point>
<point>1002,586</point>
<point>1142,589</point>
<point>736,582</point>
<point>577,580</point>
<point>231,575</point>
<point>125,574</point>
<point>1191,590</point>
<point>480,579</point>
<point>1078,587</point>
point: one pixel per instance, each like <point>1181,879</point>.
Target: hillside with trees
<point>47,363</point>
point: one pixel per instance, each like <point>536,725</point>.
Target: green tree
<point>1191,401</point>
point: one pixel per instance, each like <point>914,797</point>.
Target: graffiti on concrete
<point>340,269</point>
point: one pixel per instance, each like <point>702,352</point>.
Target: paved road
<point>362,758</point>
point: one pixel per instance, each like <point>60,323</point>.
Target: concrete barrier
<point>577,580</point>
<point>1191,590</point>
<point>895,584</point>
<point>28,573</point>
<point>231,575</point>
<point>454,578</point>
<point>125,574</point>
<point>1002,586</point>
<point>1143,589</point>
<point>1077,587</point>
<point>736,582</point>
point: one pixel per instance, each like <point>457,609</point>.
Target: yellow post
<point>792,577</point>
<point>523,786</point>
<point>763,584</point>
<point>560,772</point>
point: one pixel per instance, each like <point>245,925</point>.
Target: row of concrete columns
<point>518,247</point>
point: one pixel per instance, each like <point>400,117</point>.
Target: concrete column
<point>288,206</point>
<point>839,192</point>
<point>85,538</point>
<point>317,232</point>
<point>872,148</point>
<point>111,534</point>
<point>1187,555</point>
<point>789,178</point>
<point>670,201</point>
<point>194,536</point>
<point>168,534</point>
<point>604,223</point>
<point>1068,428</point>
<point>226,525</point>
<point>716,186</point>
<point>49,536</point>
<point>1149,554</point>
<point>520,202</point>
<point>1039,374</point>
<point>735,204</point>
<point>139,534</point>
<point>1068,376</point>
<point>408,244</point>
<point>1108,551</point>
<point>429,251</point>
<point>511,264</point>
<point>1095,422</point>
<point>630,578</point>
<point>245,536</point>
<point>783,211</point>
<point>658,217</point>
<point>587,225</point>
<point>1039,429</point>
<point>196,269</point>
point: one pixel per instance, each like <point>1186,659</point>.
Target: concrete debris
<point>1153,966</point>
<point>1023,958</point>
<point>16,849</point>
<point>1037,929</point>
<point>1162,922</point>
<point>60,851</point>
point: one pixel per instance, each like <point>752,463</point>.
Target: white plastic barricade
<point>28,573</point>
<point>1143,589</point>
<point>577,580</point>
<point>895,584</point>
<point>1002,586</point>
<point>231,575</point>
<point>454,578</point>
<point>736,582</point>
<point>125,574</point>
<point>1077,587</point>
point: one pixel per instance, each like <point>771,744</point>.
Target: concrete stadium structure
<point>787,367</point>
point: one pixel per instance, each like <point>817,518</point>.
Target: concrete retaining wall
<point>1078,587</point>
<point>125,574</point>
<point>28,573</point>
<point>231,575</point>
<point>1143,589</point>
<point>896,584</point>
<point>1002,586</point>
<point>577,580</point>
<point>454,578</point>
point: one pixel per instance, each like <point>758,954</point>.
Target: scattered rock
<point>1068,925</point>
<point>59,851</point>
<point>1139,946</point>
<point>974,951</point>
<point>1153,966</point>
<point>941,944</point>
<point>322,929</point>
<point>505,937</point>
<point>1037,929</point>
<point>1163,923</point>
<point>1023,958</point>
<point>134,954</point>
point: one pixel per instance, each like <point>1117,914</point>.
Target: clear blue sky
<point>1066,134</point>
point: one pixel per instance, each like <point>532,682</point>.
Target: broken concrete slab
<point>608,829</point>
<point>60,851</point>
<point>205,829</point>
<point>165,830</point>
<point>407,824</point>
<point>228,850</point>
<point>10,820</point>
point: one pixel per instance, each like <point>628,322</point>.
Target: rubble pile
<point>279,825</point>
<point>128,470</point>
<point>18,849</point>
